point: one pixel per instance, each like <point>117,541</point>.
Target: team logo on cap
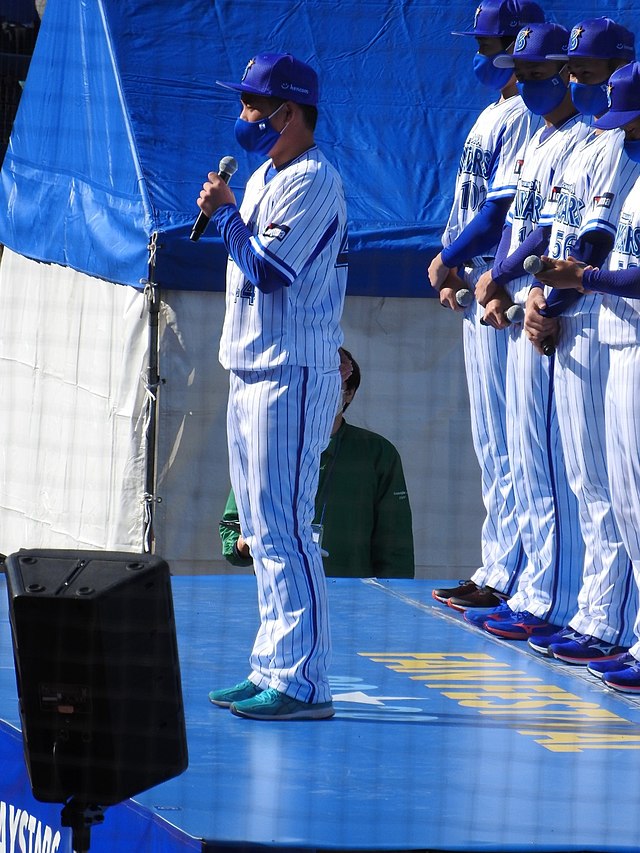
<point>521,41</point>
<point>576,34</point>
<point>476,16</point>
<point>609,91</point>
<point>250,65</point>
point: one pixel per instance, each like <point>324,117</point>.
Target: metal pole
<point>152,383</point>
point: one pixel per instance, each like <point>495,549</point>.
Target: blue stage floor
<point>444,738</point>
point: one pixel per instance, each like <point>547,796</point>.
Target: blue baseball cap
<point>600,38</point>
<point>278,75</point>
<point>534,43</point>
<point>502,17</point>
<point>623,94</point>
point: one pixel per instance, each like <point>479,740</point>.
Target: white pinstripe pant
<point>278,423</point>
<point>485,355</point>
<point>606,601</point>
<point>622,418</point>
<point>547,509</point>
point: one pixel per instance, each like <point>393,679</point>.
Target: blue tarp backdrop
<point>121,120</point>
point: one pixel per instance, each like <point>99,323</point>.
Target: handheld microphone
<point>226,169</point>
<point>513,314</point>
<point>533,265</point>
<point>464,297</point>
<point>548,346</point>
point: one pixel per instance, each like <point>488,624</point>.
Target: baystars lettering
<point>627,237</point>
<point>474,160</point>
<point>528,201</point>
<point>22,832</point>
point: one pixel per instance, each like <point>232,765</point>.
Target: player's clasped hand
<point>495,309</point>
<point>486,288</point>
<point>536,327</point>
<point>564,275</point>
<point>214,193</point>
<point>453,283</point>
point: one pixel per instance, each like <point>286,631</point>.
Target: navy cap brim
<point>236,87</point>
<point>504,60</point>
<point>616,118</point>
<point>559,57</point>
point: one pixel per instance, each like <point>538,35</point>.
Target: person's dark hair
<point>310,115</point>
<point>353,382</point>
<point>505,41</point>
<point>309,112</point>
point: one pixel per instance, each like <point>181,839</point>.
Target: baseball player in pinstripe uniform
<point>619,331</point>
<point>584,214</point>
<point>485,186</point>
<point>286,280</point>
<point>547,509</point>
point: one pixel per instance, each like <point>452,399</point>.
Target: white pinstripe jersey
<point>619,321</point>
<point>299,224</point>
<point>545,158</point>
<point>487,168</point>
<point>589,197</point>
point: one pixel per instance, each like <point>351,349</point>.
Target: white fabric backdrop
<point>72,353</point>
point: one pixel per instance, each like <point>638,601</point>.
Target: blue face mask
<point>590,100</point>
<point>543,96</point>
<point>257,136</point>
<point>488,74</point>
<point>632,149</point>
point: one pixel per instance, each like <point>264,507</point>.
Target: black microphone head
<point>533,264</point>
<point>514,313</point>
<point>228,166</point>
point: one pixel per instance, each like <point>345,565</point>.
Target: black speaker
<point>97,672</point>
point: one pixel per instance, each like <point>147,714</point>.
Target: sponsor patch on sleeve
<point>275,231</point>
<point>604,200</point>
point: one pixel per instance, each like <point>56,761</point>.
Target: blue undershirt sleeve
<point>510,267</point>
<point>591,248</point>
<point>237,239</point>
<point>617,282</point>
<point>480,235</point>
<point>503,247</point>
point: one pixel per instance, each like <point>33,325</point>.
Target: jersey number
<point>247,291</point>
<point>471,196</point>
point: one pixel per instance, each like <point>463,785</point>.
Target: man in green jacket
<point>363,516</point>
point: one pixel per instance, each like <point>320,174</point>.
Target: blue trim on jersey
<point>512,583</point>
<point>629,590</point>
<point>507,191</point>
<point>554,494</point>
<point>283,269</point>
<point>296,531</point>
<point>495,156</point>
<point>599,225</point>
<point>324,240</point>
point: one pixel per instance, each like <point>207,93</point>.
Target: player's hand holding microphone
<point>501,311</point>
<point>448,284</point>
<point>561,274</point>
<point>214,194</point>
<point>541,331</point>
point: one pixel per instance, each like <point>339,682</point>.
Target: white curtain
<point>73,354</point>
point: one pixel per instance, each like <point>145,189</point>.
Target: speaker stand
<point>81,817</point>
